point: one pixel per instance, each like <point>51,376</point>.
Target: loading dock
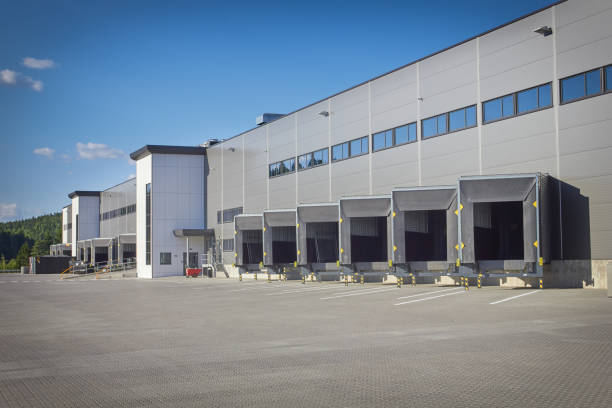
<point>248,242</point>
<point>365,244</point>
<point>500,225</point>
<point>318,238</point>
<point>279,240</point>
<point>425,230</point>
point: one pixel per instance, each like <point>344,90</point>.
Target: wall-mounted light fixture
<point>544,31</point>
<point>324,113</point>
<point>231,149</point>
<point>420,99</point>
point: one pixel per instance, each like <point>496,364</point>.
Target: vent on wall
<point>267,118</point>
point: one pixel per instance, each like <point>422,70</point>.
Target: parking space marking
<point>430,298</point>
<point>358,293</point>
<point>426,293</point>
<point>298,291</point>
<point>354,290</point>
<point>514,297</point>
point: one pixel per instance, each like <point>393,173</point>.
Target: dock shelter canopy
<point>317,232</point>
<point>248,239</point>
<point>365,223</point>
<point>494,209</point>
<point>279,237</point>
<point>425,215</point>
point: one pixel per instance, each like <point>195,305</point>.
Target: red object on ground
<point>193,272</point>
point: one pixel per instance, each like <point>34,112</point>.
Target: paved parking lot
<point>219,343</point>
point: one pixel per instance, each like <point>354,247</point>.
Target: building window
<point>313,159</point>
<point>340,151</point>
<point>518,103</point>
<point>352,148</point>
<point>165,258</point>
<point>459,119</point>
<point>584,85</point>
<point>148,224</point>
<point>227,215</point>
<point>608,72</point>
<point>228,245</point>
<point>282,167</point>
<point>394,137</point>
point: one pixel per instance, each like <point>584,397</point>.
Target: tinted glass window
<point>364,145</point>
<point>572,87</point>
<point>305,161</point>
<point>441,124</point>
<point>356,147</point>
<point>456,120</point>
<point>323,153</point>
<point>429,127</point>
<point>608,71</point>
<point>319,157</point>
<point>401,135</point>
<point>340,152</point>
<point>289,165</point>
<point>545,98</point>
<point>378,141</point>
<point>412,132</point>
<point>470,116</point>
<point>527,100</point>
<point>593,82</point>
<point>492,110</point>
<point>508,106</point>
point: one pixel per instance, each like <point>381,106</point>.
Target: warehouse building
<point>489,157</point>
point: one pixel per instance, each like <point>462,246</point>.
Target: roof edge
<point>83,193</point>
<point>166,149</point>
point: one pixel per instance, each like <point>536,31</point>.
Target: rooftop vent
<point>210,142</point>
<point>267,118</point>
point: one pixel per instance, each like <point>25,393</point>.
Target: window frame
<point>603,82</point>
<point>447,121</point>
<point>312,159</point>
<point>281,166</point>
<point>169,255</point>
<point>515,103</point>
<point>394,137</point>
<point>350,154</point>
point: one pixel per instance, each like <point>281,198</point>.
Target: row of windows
<point>165,258</point>
<point>352,148</point>
<point>590,83</point>
<point>67,226</point>
<point>394,137</point>
<point>529,100</point>
<point>228,215</point>
<point>313,159</point>
<point>119,212</point>
<point>282,167</point>
<point>449,122</point>
<point>228,245</point>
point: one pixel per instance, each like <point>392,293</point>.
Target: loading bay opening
<point>279,238</point>
<point>498,231</point>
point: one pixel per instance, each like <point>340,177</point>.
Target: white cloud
<point>44,151</point>
<point>9,77</point>
<point>38,63</point>
<point>8,211</point>
<point>92,151</point>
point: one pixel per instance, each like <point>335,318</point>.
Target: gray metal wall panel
<point>313,185</point>
<point>350,177</point>
<point>583,35</point>
<point>349,115</point>
<point>282,191</point>
<point>313,129</point>
<point>282,138</point>
<point>453,154</point>
<point>395,167</point>
<point>394,99</point>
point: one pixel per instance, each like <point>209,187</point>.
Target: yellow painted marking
<point>264,229</point>
<point>541,261</point>
<point>394,214</point>
<point>341,250</point>
<point>394,248</point>
<point>535,244</point>
<point>535,204</point>
<point>390,262</point>
<point>338,263</point>
<point>458,263</point>
<point>298,226</point>
<point>265,253</point>
<point>299,252</point>
<point>340,220</point>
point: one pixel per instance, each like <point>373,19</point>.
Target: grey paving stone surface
<point>221,343</point>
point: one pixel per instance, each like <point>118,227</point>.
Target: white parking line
<point>352,290</point>
<point>298,291</point>
<point>514,297</point>
<point>430,298</point>
<point>426,293</point>
<point>363,292</point>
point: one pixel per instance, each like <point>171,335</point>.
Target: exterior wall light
<point>544,31</point>
<point>324,113</point>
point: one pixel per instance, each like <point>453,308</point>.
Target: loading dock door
<point>499,189</point>
<point>279,226</point>
<point>253,224</point>
<point>362,207</point>
<point>419,199</point>
<point>310,214</point>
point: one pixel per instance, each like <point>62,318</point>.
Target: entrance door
<point>193,261</point>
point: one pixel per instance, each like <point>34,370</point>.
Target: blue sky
<point>84,83</point>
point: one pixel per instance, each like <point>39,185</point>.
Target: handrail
<point>65,270</point>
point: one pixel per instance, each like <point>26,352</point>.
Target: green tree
<point>23,254</point>
<point>12,264</point>
<point>2,262</point>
